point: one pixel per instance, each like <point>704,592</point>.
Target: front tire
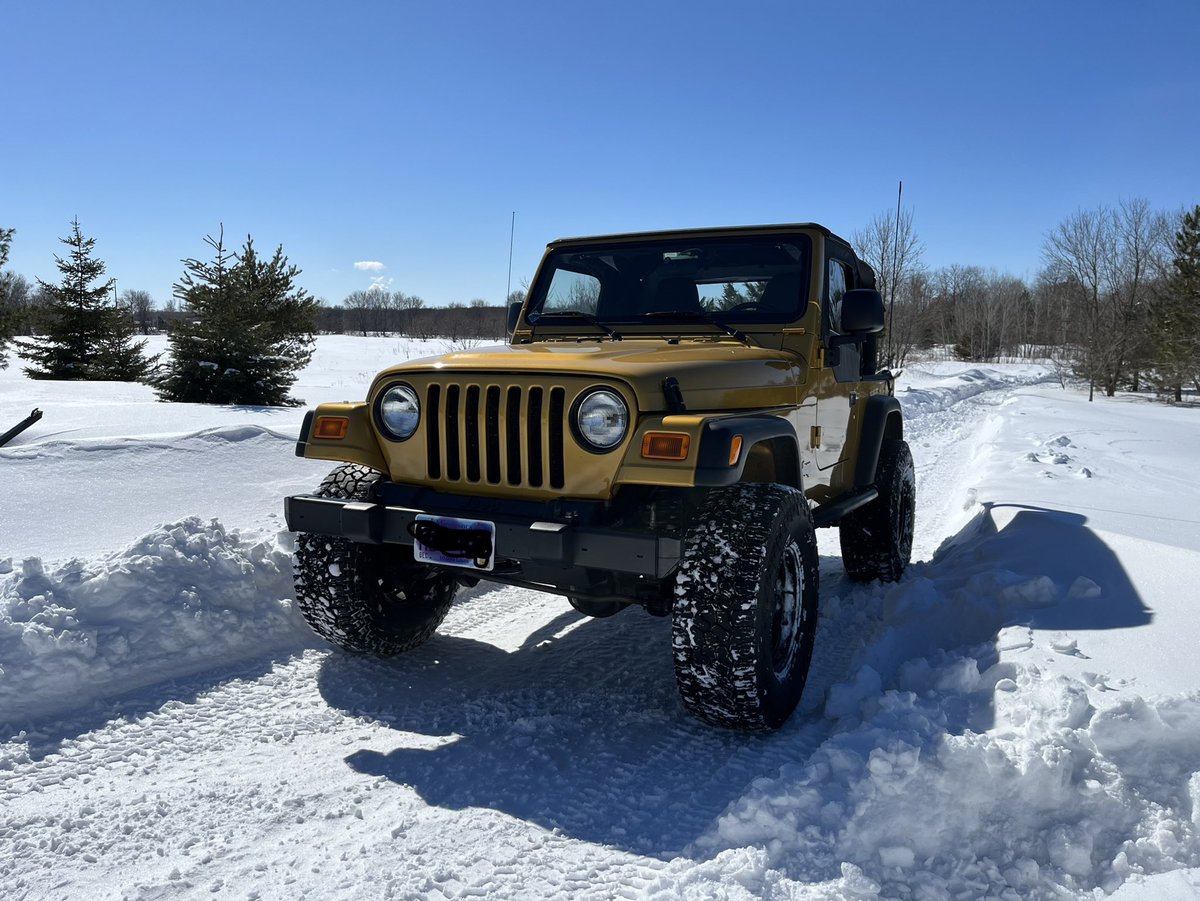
<point>367,598</point>
<point>745,612</point>
<point>877,538</point>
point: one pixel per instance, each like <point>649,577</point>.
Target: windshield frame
<point>636,320</point>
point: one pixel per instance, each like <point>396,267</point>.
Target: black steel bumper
<point>517,540</point>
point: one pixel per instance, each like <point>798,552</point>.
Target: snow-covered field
<point>1018,718</point>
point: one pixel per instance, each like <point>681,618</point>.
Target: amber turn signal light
<point>735,449</point>
<point>665,446</point>
<point>331,428</point>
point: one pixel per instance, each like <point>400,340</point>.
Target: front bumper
<point>518,541</point>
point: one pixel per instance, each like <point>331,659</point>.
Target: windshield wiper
<point>589,318</point>
<point>696,316</point>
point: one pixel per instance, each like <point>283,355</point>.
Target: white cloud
<point>369,266</point>
<point>379,283</point>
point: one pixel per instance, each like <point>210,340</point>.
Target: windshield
<point>740,280</point>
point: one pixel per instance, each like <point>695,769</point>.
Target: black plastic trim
<point>517,540</point>
<point>830,512</point>
<point>712,461</point>
<point>305,429</point>
<point>875,422</point>
<point>673,395</point>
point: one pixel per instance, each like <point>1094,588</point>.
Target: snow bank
<point>1053,796</point>
<point>986,768</point>
<point>946,389</point>
<point>184,597</point>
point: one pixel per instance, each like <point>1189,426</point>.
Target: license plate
<point>450,541</point>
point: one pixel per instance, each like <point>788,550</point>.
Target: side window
<point>572,291</point>
<point>838,283</point>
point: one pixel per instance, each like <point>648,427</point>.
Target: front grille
<point>473,433</point>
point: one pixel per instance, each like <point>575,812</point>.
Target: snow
<point>1019,717</point>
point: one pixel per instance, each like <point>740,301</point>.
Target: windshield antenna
<point>512,231</point>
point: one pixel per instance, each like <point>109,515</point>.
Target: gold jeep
<point>673,416</point>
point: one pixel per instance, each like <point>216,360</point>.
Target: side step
<point>831,511</point>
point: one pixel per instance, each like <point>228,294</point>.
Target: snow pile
<point>1053,796</point>
<point>946,389</point>
<point>185,597</point>
<point>200,440</point>
<point>984,769</point>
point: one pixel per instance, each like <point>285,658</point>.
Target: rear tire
<point>877,538</point>
<point>745,612</point>
<point>367,598</point>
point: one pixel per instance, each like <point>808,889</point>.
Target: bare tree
<point>1111,257</point>
<point>140,306</point>
<point>1142,238</point>
<point>584,295</point>
<point>404,307</point>
<point>365,310</point>
<point>895,252</point>
<point>1075,253</point>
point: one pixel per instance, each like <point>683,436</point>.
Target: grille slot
<point>491,433</point>
<point>533,436</point>
<point>557,402</point>
<point>453,456</point>
<point>433,444</point>
<point>512,434</point>
<point>471,415</point>
<point>475,434</point>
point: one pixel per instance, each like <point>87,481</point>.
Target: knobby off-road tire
<point>745,610</point>
<point>367,598</point>
<point>877,538</point>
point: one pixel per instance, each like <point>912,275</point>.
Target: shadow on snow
<point>580,730</point>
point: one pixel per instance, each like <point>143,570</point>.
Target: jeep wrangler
<point>673,416</point>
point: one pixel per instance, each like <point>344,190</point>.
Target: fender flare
<point>716,441</point>
<point>882,418</point>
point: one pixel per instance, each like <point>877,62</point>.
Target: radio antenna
<point>512,231</point>
<point>895,275</point>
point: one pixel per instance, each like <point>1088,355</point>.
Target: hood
<point>712,374</point>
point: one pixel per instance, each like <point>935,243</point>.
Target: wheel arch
<point>762,436</point>
<point>882,419</point>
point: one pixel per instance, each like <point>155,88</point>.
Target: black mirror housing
<point>862,312</point>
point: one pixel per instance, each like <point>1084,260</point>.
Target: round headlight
<point>399,412</point>
<point>602,419</point>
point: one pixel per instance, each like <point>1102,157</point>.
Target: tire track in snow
<point>522,748</point>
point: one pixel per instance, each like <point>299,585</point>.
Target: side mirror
<point>862,312</point>
<point>514,316</point>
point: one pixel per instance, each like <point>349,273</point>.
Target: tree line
<point>376,311</point>
<point>1116,302</point>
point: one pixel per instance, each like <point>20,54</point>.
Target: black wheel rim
<point>788,616</point>
<point>904,522</point>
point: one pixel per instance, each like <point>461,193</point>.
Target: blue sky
<point>407,134</point>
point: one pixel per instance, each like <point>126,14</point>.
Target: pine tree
<point>120,357</point>
<point>6,278</point>
<point>248,330</point>
<point>1175,314</point>
<point>86,336</point>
